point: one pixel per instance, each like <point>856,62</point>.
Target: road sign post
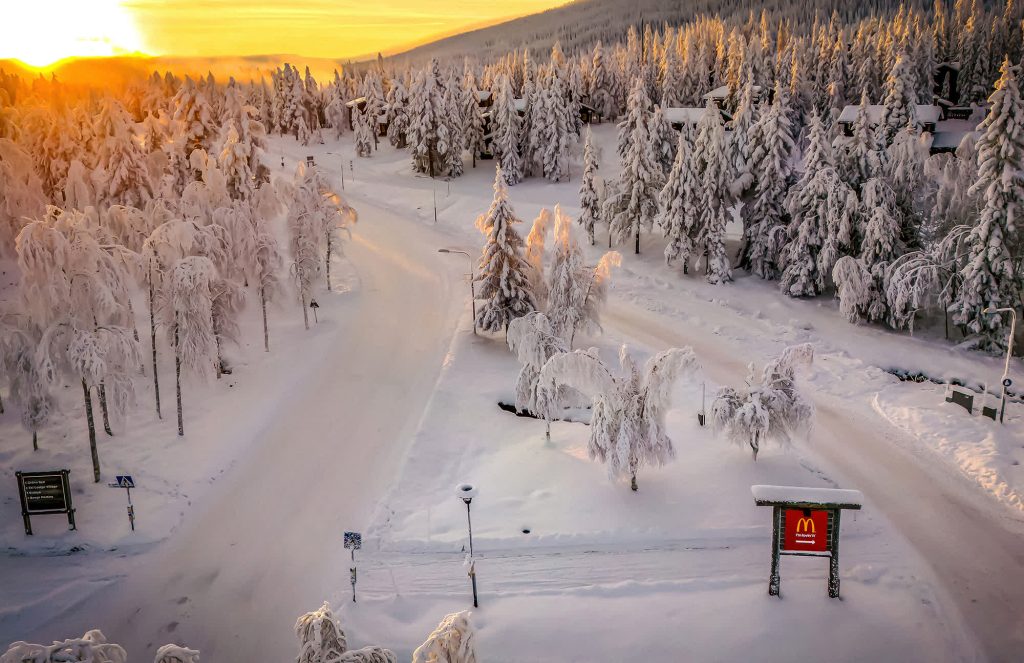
<point>353,542</point>
<point>805,523</point>
<point>127,482</point>
<point>44,493</point>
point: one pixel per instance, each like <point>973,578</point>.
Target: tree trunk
<point>35,441</point>
<point>92,432</point>
<point>177,380</point>
<point>305,313</point>
<point>103,409</point>
<point>266,333</point>
<point>1,404</point>
<point>220,361</point>
<point>327,262</point>
<point>152,341</point>
<point>632,483</point>
<point>637,249</point>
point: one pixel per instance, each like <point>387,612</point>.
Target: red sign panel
<point>806,531</point>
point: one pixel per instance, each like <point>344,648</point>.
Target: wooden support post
<point>774,580</point>
<point>833,562</point>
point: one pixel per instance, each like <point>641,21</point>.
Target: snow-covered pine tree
<point>678,204</point>
<point>601,85</point>
<point>991,276</point>
<point>503,276</point>
<point>763,240</point>
<point>398,113</point>
<point>474,129</point>
<point>590,201</point>
<point>455,137</point>
<point>714,196</point>
<point>507,133</point>
<point>627,429</point>
<point>534,254</point>
<point>898,98</point>
<point>665,140</point>
<point>363,135</point>
<point>631,208</point>
<point>771,407</point>
<point>857,156</point>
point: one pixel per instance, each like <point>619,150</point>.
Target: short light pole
<point>338,154</point>
<point>472,288</point>
<point>466,492</point>
<point>1009,353</point>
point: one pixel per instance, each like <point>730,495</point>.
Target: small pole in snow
<point>313,305</point>
<point>701,416</point>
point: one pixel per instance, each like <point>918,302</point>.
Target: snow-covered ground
<point>368,421</point>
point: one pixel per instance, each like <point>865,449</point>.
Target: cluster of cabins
<point>945,122</point>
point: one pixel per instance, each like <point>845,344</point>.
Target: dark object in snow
<point>526,530</point>
<point>963,399</point>
<point>567,416</point>
<point>44,493</point>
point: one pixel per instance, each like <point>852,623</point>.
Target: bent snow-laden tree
<point>532,340</point>
<point>321,638</point>
<point>627,429</point>
<point>191,307</point>
<point>90,648</point>
<point>176,654</point>
<point>771,407</point>
<point>451,642</point>
<point>504,276</point>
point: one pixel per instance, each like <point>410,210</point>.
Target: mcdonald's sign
<point>806,530</point>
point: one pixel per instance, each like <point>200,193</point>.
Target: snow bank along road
<point>973,545</point>
<point>264,544</point>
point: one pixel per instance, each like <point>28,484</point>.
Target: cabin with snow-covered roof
<point>927,115</point>
<point>688,117</point>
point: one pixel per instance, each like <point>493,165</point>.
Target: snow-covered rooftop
<point>722,92</point>
<point>802,495</point>
<point>520,103</point>
<point>355,102</point>
<point>925,113</point>
<point>682,115</point>
<point>483,95</point>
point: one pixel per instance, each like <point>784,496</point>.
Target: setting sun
<point>42,32</point>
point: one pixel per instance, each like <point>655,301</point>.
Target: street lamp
<point>338,154</point>
<point>472,288</point>
<point>466,492</point>
<point>1009,353</point>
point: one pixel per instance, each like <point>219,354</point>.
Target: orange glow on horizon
<point>41,33</point>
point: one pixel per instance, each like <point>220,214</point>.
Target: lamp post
<point>1009,353</point>
<point>466,492</point>
<point>338,154</point>
<point>472,288</point>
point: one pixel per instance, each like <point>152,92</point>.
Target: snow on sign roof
<point>925,113</point>
<point>769,495</point>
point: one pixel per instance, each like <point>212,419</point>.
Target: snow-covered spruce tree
<point>427,122</point>
<point>601,85</point>
<point>504,274</point>
<point>763,239</point>
<point>474,129</point>
<point>550,130</point>
<point>191,307</point>
<point>321,638</point>
<point>451,642</point>
<point>120,175</point>
<point>771,407</point>
<point>455,136</point>
<point>857,156</point>
<point>507,133</point>
<point>241,148</point>
<point>665,140</point>
<point>905,174</point>
<point>398,113</point>
<point>533,341</point>
<point>631,208</point>
<point>570,283</point>
<point>741,148</point>
<point>677,203</point>
<point>899,98</point>
<point>714,195</point>
<point>991,276</point>
<point>627,429</point>
<point>590,201</point>
<point>364,135</point>
<point>534,254</point>
<point>823,209</point>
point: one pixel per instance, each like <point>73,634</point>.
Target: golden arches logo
<point>805,525</point>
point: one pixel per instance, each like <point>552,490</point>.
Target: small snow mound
<point>867,574</point>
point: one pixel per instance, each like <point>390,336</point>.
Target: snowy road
<point>976,551</point>
<point>264,544</point>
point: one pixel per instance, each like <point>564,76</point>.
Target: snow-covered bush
<point>321,638</point>
<point>771,407</point>
<point>90,648</point>
<point>627,428</point>
<point>176,654</point>
<point>451,642</point>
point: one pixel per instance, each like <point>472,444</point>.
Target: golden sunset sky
<point>40,32</point>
